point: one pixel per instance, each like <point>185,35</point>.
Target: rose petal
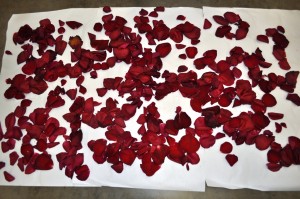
<point>206,24</point>
<point>8,177</point>
<point>74,24</point>
<point>231,159</point>
<point>293,97</point>
<point>226,147</point>
<point>163,49</point>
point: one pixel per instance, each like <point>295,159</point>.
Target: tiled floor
<point>9,7</point>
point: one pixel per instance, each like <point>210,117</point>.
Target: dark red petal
<point>106,9</point>
<point>82,89</point>
<point>29,68</point>
<point>163,49</point>
<point>222,31</point>
<point>98,27</point>
<point>153,14</point>
<point>260,120</point>
<point>27,151</point>
<point>262,142</point>
<point>207,141</point>
<point>241,33</point>
<point>182,69</point>
<point>8,177</point>
<point>118,167</point>
<point>226,147</point>
<point>8,52</point>
<point>262,38</point>
<point>61,30</point>
<point>278,127</point>
<point>269,100</point>
<point>73,24</point>
<point>182,56</point>
<point>182,120</point>
<point>274,167</point>
<point>191,52</point>
<point>71,93</point>
<point>26,103</point>
<point>275,116</point>
<point>189,143</point>
<point>127,156</point>
<point>220,20</point>
<point>180,17</point>
<point>284,64</point>
<point>273,156</point>
<point>148,167</point>
<point>43,162</point>
<point>13,157</point>
<point>2,165</point>
<point>60,47</point>
<point>231,17</point>
<point>293,97</point>
<point>82,172</point>
<point>206,24</point>
<point>10,121</point>
<point>231,159</point>
<point>143,12</point>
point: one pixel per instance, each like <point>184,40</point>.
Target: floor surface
<point>9,7</point>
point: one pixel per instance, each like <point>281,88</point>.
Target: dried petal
<point>231,159</point>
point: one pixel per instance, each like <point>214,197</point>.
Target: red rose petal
<point>127,156</point>
<point>182,120</point>
<point>74,24</point>
<point>274,167</point>
<point>273,156</point>
<point>231,17</point>
<point>191,52</point>
<point>82,172</point>
<point>43,162</point>
<point>260,120</point>
<point>71,93</point>
<point>8,52</point>
<point>275,116</point>
<point>182,69</point>
<point>262,142</point>
<point>163,49</point>
<point>8,177</point>
<point>13,157</point>
<point>222,31</point>
<point>2,165</point>
<point>269,100</point>
<point>189,143</point>
<point>231,159</point>
<point>61,30</point>
<point>180,17</point>
<point>241,33</point>
<point>98,27</point>
<point>207,141</point>
<point>226,147</point>
<point>293,97</point>
<point>278,127</point>
<point>284,64</point>
<point>206,24</point>
<point>220,20</point>
<point>262,38</point>
<point>153,14</point>
<point>106,9</point>
<point>148,167</point>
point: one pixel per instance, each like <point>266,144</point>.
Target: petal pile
<point>212,94</point>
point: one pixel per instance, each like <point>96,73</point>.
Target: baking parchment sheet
<point>249,172</point>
